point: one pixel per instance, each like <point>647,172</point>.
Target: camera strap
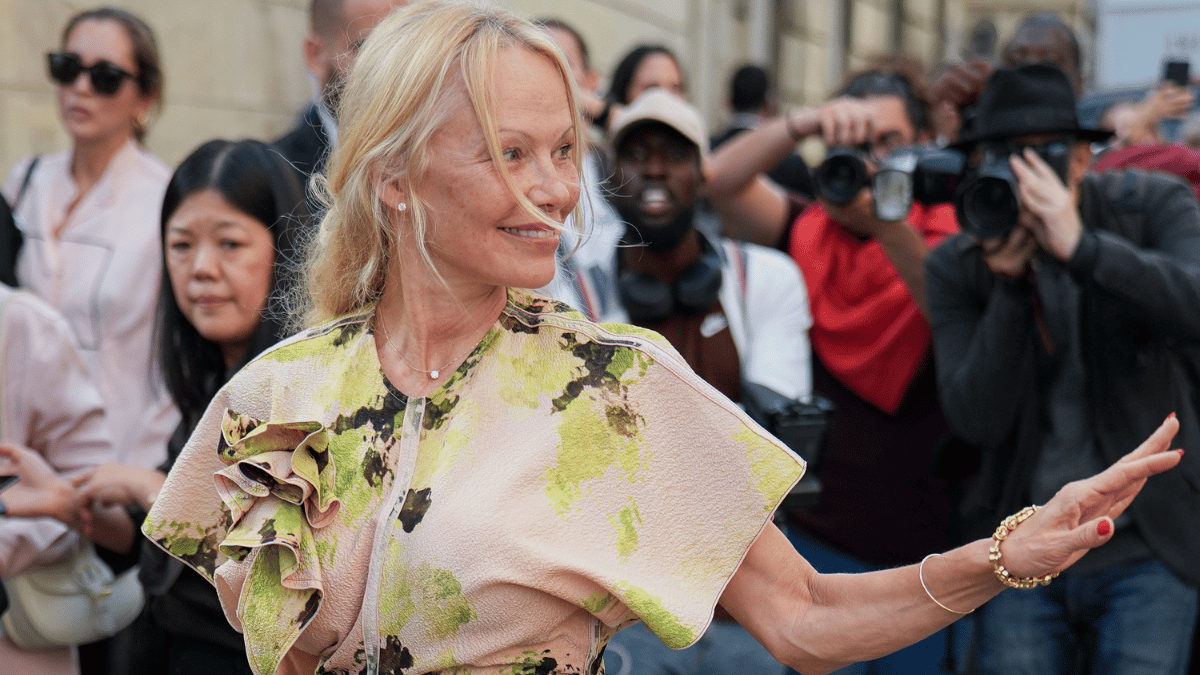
<point>25,181</point>
<point>1039,313</point>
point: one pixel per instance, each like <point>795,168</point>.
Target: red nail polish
<point>1103,528</point>
<point>1170,416</point>
<point>1180,451</point>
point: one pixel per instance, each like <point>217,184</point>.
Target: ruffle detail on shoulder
<point>278,487</point>
<point>289,461</point>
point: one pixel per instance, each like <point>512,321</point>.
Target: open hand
<point>40,491</point>
<point>1079,518</point>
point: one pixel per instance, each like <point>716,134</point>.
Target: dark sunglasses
<point>106,76</point>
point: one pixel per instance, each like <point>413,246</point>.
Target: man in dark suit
<point>337,28</point>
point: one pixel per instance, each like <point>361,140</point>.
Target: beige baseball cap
<point>660,105</point>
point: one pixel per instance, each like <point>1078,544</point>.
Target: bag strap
<point>739,259</point>
<point>25,181</point>
<point>11,237</point>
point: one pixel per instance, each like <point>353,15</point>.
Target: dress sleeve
<point>662,483</point>
<point>240,506</point>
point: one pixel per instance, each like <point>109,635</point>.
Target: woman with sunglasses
<point>89,217</point>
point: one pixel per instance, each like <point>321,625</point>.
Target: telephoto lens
<point>842,175</point>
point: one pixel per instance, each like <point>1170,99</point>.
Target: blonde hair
<point>407,79</point>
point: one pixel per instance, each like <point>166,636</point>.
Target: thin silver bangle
<point>921,574</point>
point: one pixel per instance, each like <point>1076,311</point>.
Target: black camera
<point>922,173</point>
<point>842,175</point>
<point>801,425</point>
<point>986,197</point>
<point>988,204</point>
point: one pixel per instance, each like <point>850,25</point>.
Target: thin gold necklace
<point>433,374</point>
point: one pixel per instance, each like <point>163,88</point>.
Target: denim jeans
<point>724,649</point>
<point>1129,619</point>
<point>927,657</point>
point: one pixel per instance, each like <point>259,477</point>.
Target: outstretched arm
<point>819,622</point>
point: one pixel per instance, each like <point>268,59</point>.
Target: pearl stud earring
<point>402,207</point>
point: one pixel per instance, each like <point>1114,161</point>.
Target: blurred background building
<point>233,67</point>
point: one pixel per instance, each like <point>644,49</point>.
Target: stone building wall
<point>233,67</point>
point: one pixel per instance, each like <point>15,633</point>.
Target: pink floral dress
<point>569,478</point>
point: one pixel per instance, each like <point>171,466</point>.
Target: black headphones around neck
<point>649,299</point>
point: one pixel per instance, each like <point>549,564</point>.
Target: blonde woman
<point>449,473</point>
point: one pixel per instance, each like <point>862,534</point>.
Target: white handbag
<point>73,602</point>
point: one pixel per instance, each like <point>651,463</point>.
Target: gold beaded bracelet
<point>1006,527</point>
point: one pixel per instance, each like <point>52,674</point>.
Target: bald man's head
<point>337,28</point>
<point>1044,37</point>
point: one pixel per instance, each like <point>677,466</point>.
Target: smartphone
<point>7,481</point>
<point>1177,72</point>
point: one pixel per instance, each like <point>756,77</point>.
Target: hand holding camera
<point>1008,258</point>
<point>1055,222</point>
<point>960,84</point>
<point>856,216</point>
<point>1168,100</point>
<point>845,121</point>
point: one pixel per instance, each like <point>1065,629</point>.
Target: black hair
<point>622,77</point>
<point>748,88</point>
<point>885,83</point>
<point>565,27</point>
<point>259,182</point>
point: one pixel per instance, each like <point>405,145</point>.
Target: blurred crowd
<point>976,297</point>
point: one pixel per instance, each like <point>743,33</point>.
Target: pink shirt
<point>102,271</point>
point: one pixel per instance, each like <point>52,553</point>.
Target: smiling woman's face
<point>220,262</point>
<point>87,115</point>
<point>478,232</point>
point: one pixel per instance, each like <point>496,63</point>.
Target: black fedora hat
<point>1023,100</point>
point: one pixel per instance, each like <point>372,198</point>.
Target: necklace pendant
<point>433,374</point>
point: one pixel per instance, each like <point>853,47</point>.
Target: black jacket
<point>1138,270</point>
<point>307,147</point>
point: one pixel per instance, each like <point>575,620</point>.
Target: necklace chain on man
<point>433,374</point>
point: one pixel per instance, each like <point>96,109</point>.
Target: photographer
<point>871,342</point>
<point>1058,341</point>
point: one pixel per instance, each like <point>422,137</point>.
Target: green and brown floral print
<point>567,479</point>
